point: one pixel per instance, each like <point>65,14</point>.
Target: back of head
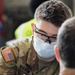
<point>53,11</point>
<point>34,4</point>
<point>66,43</point>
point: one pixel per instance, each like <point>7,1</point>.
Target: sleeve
<point>6,68</point>
<point>9,56</point>
<point>3,67</point>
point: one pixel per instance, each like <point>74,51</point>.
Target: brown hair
<point>53,11</point>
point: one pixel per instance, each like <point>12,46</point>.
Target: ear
<point>32,26</point>
<point>56,51</point>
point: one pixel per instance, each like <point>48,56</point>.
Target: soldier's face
<point>44,30</point>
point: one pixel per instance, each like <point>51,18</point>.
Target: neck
<point>66,71</point>
<point>46,59</point>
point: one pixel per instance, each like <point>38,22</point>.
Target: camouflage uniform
<point>26,61</point>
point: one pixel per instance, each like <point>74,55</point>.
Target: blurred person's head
<point>49,17</point>
<point>65,48</point>
<point>34,4</point>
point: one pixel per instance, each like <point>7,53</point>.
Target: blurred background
<point>15,12</point>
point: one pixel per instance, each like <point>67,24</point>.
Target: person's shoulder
<point>24,40</point>
<point>26,23</point>
<point>24,30</point>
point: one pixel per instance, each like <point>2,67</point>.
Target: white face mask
<point>44,50</point>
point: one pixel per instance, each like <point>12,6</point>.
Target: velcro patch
<point>8,54</point>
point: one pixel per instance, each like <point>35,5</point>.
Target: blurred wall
<point>17,3</point>
<point>70,4</point>
<point>74,6</point>
<point>17,12</point>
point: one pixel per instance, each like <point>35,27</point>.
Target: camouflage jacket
<point>26,61</point>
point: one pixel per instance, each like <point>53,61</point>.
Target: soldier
<point>65,48</point>
<point>35,55</point>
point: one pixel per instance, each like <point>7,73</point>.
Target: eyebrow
<point>41,30</point>
<point>44,31</point>
<point>54,35</point>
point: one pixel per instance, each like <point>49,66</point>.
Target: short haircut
<point>55,12</point>
<point>66,42</point>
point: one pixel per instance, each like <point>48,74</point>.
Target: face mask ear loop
<point>48,39</point>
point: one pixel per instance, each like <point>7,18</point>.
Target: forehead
<point>48,27</point>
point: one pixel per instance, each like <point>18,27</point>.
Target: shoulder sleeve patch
<point>8,54</point>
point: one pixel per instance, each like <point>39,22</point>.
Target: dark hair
<point>66,42</point>
<point>34,4</point>
<point>53,11</point>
